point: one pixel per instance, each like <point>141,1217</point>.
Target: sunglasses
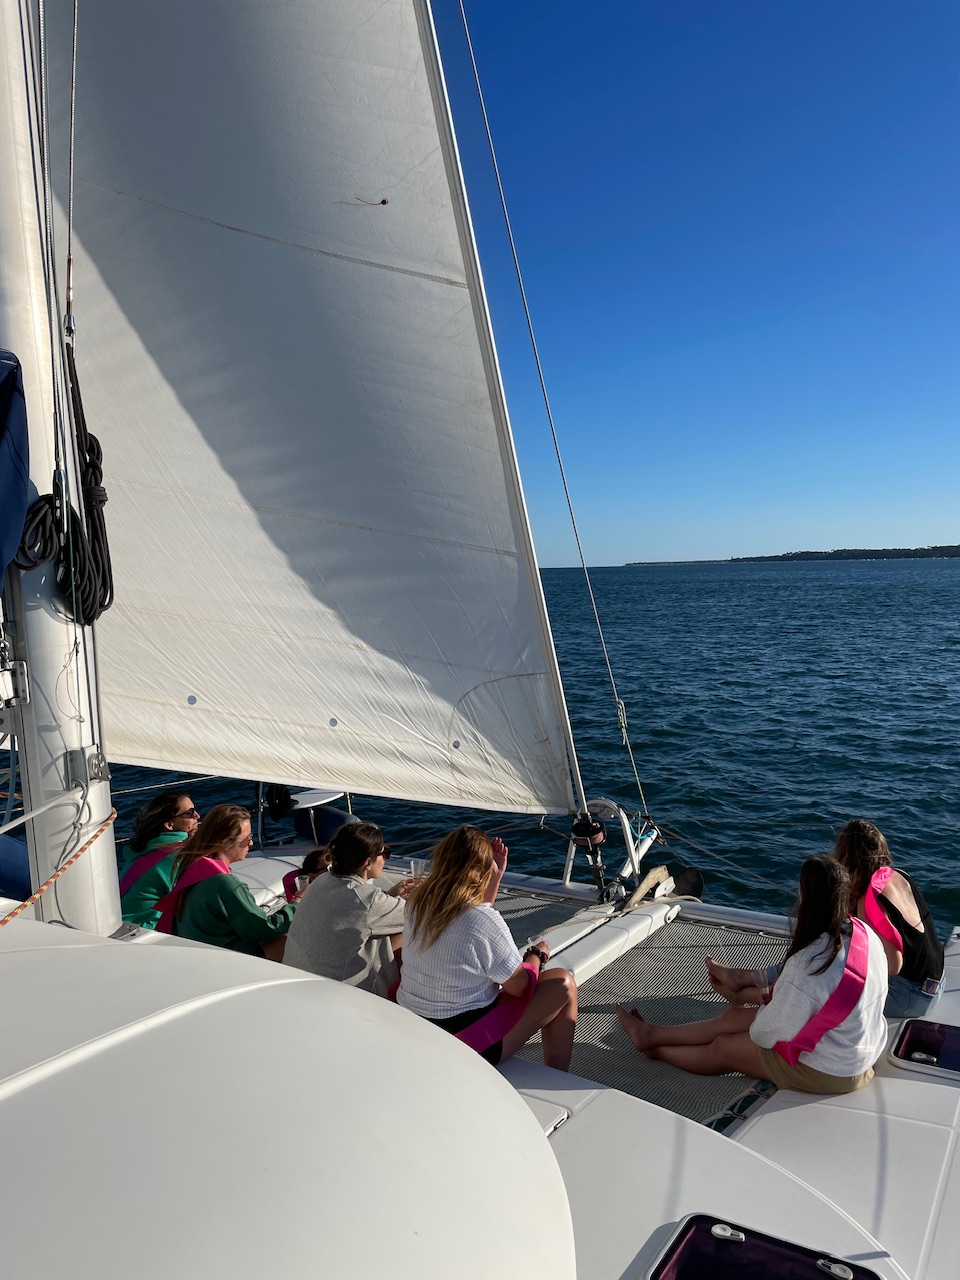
<point>384,852</point>
<point>187,813</point>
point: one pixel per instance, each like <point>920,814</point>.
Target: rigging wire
<point>73,119</point>
<point>11,788</point>
<point>718,857</point>
<point>165,786</point>
<point>621,708</point>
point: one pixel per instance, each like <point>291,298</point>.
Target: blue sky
<point>739,227</point>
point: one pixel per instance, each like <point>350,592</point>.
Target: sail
<point>323,565</point>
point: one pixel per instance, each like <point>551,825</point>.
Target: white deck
<point>206,1034</point>
<point>632,1170</point>
<point>170,1110</point>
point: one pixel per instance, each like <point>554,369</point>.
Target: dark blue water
<point>767,705</point>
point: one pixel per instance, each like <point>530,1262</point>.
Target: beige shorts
<point>808,1079</point>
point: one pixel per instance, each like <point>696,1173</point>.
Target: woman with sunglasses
<point>347,928</point>
<point>208,904</point>
<point>161,827</point>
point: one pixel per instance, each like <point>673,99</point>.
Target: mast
<point>56,723</point>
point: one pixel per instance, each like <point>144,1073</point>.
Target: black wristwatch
<point>535,951</point>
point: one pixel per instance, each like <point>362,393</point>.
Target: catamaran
<point>240,228</point>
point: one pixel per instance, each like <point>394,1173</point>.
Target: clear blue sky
<point>739,227</point>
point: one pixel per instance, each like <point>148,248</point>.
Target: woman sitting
<point>347,928</point>
<point>315,863</point>
<point>161,827</point>
<point>823,1028</point>
<point>891,903</point>
<point>459,957</point>
<point>208,904</point>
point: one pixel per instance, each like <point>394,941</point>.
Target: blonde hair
<point>460,868</point>
<point>222,824</point>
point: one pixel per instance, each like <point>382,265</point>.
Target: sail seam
<point>278,240</point>
<point>206,499</point>
<point>277,632</point>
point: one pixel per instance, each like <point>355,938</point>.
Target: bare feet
<point>724,976</point>
<point>635,1027</point>
<point>730,984</point>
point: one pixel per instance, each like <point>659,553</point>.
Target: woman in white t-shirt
<point>798,1040</point>
<point>459,956</point>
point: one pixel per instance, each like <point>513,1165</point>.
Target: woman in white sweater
<point>824,1026</point>
<point>347,928</point>
<point>462,969</point>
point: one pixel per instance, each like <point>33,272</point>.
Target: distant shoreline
<point>847,553</point>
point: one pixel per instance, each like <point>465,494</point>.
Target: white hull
<point>165,1042</point>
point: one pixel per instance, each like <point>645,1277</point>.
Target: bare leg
<point>736,986</point>
<point>552,1010</point>
<point>741,997</point>
<point>647,1036</point>
<point>729,976</point>
<point>731,1052</point>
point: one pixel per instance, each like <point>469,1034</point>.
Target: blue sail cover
<point>14,457</point>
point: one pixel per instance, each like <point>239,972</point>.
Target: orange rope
<point>58,873</point>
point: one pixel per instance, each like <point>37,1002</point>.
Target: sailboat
<point>325,577</point>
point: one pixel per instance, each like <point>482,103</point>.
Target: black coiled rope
<point>83,570</point>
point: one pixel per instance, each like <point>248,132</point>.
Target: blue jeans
<point>906,1000</point>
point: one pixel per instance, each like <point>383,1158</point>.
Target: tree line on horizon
<point>861,553</point>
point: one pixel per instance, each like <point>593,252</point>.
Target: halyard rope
<point>59,871</point>
<point>621,709</point>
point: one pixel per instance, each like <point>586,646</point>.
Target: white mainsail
<point>324,569</point>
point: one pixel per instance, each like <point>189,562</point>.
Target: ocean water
<point>767,704</point>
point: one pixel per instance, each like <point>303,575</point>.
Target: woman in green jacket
<point>208,904</point>
<point>161,827</point>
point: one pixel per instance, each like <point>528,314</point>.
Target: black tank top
<point>922,952</point>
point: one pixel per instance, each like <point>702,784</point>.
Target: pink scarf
<point>202,869</point>
<point>140,866</point>
<point>503,1017</point>
<point>496,1022</point>
<point>840,1003</point>
<point>877,918</point>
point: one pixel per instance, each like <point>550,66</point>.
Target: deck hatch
<point>704,1248</point>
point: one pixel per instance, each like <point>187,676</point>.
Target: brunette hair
<point>312,864</point>
<point>353,845</point>
<point>822,907</point>
<point>151,821</point>
<point>222,824</point>
<point>460,868</point>
<point>862,849</point>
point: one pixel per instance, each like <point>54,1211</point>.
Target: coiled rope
<point>53,530</point>
<point>34,897</point>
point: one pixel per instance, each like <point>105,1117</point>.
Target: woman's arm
<point>248,920</point>
<point>519,981</point>
<point>385,915</point>
<point>797,995</point>
<point>500,852</point>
